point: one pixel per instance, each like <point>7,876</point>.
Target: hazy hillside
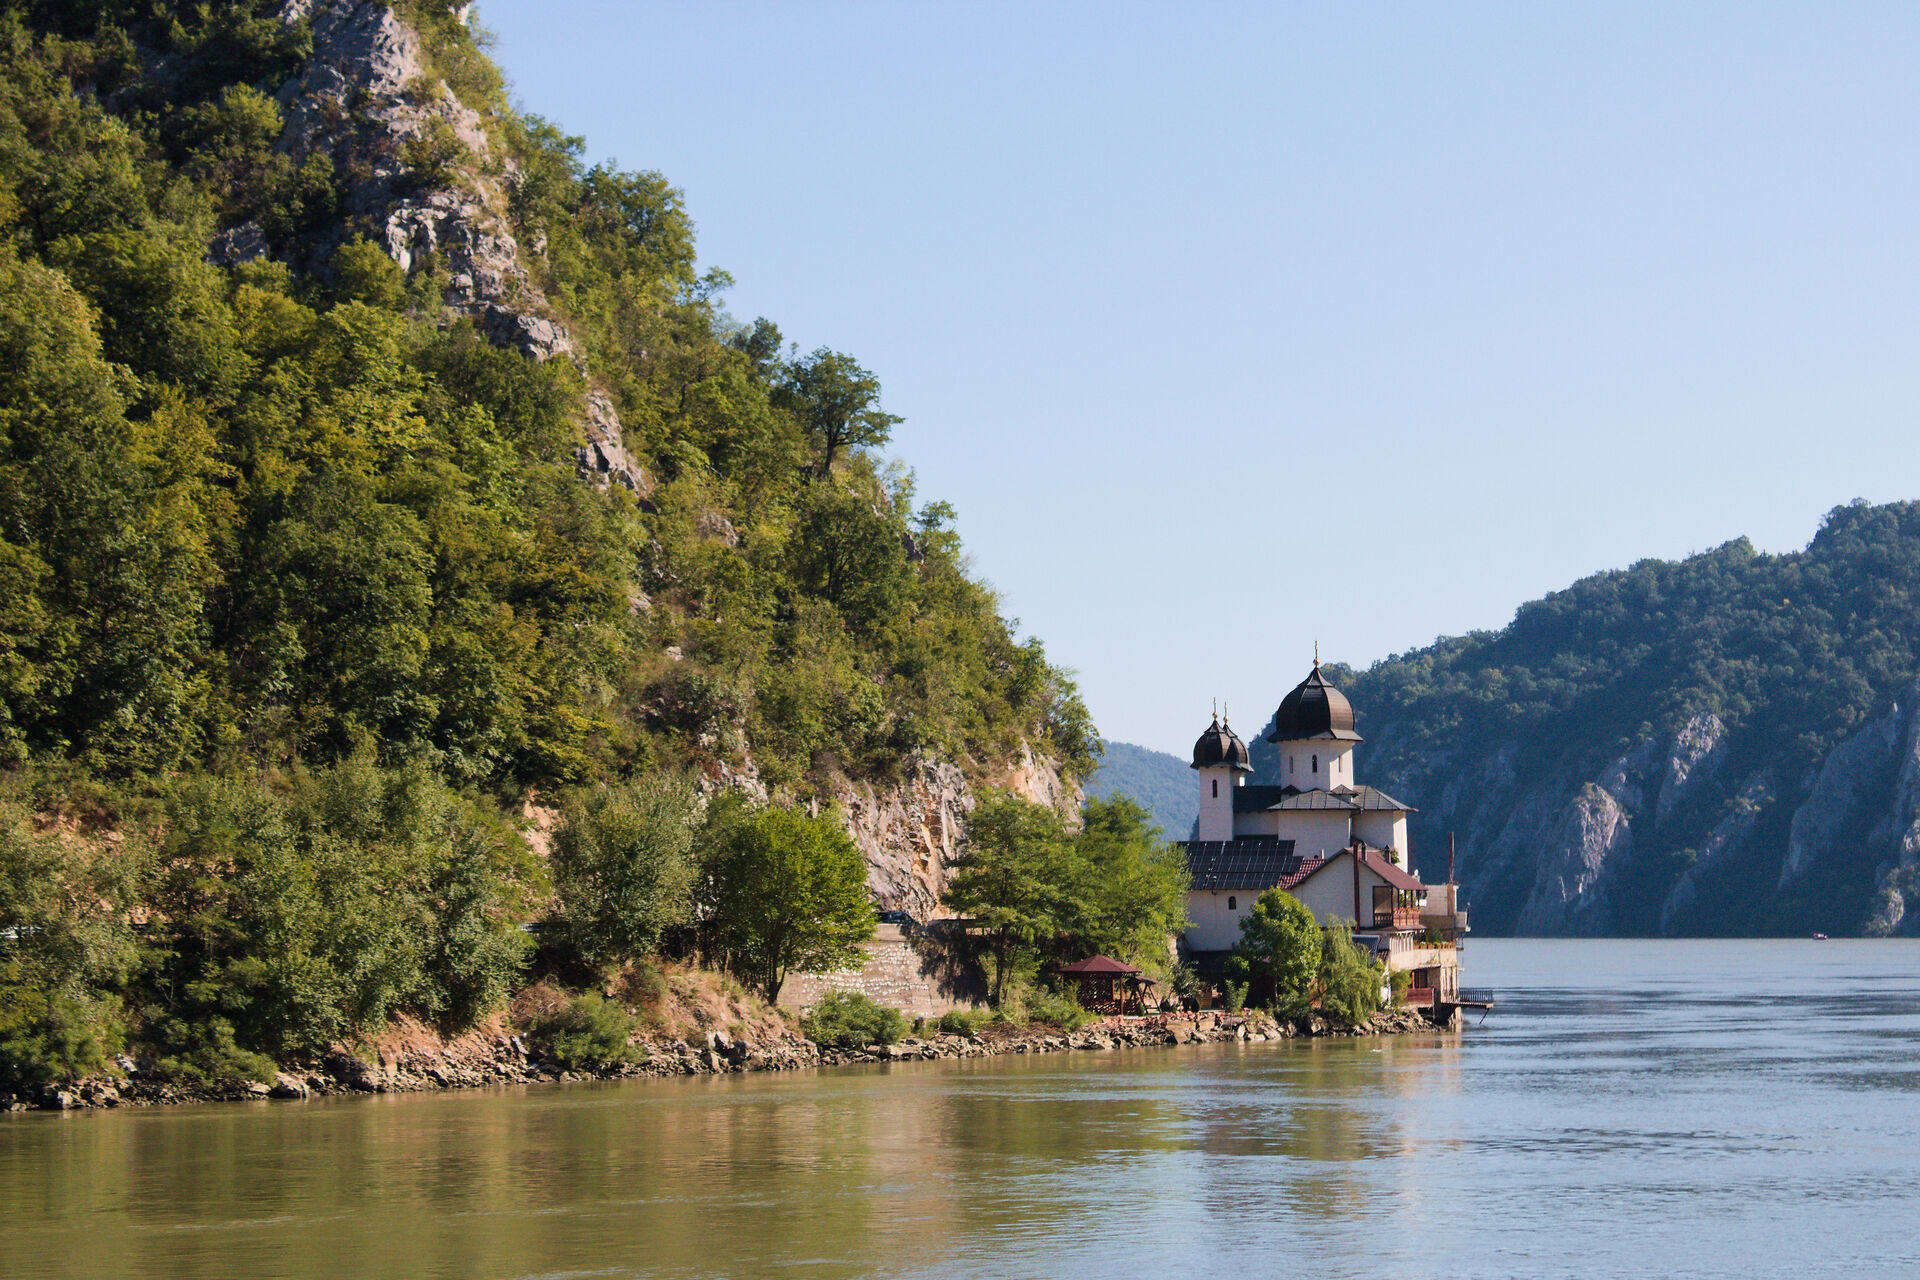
<point>1160,782</point>
<point>1726,744</point>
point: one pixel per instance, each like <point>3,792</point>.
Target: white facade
<point>1216,918</point>
<point>1316,764</point>
<point>1382,828</point>
<point>1216,801</point>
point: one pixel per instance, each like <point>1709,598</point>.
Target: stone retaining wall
<point>922,975</point>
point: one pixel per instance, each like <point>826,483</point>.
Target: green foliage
<point>1132,883</point>
<point>1056,1009</point>
<point>852,1020</point>
<point>1015,879</point>
<point>64,948</point>
<point>1162,783</point>
<point>623,865</point>
<point>301,914</point>
<point>588,1033</point>
<point>1236,996</point>
<point>837,403</point>
<point>1116,887</point>
<point>1280,945</point>
<point>1793,652</point>
<point>783,893</point>
<point>291,550</point>
<point>1402,981</point>
<point>1348,983</point>
<point>960,1022</point>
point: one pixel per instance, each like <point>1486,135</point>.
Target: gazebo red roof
<point>1098,964</point>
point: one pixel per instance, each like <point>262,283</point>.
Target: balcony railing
<point>1397,918</point>
<point>1420,997</point>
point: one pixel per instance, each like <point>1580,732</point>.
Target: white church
<point>1338,846</point>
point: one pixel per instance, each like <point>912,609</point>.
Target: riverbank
<point>412,1062</point>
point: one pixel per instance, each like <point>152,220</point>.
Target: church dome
<point>1315,709</point>
<point>1219,745</point>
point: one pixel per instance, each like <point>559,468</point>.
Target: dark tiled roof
<point>1254,797</point>
<point>1219,744</point>
<point>1246,864</point>
<point>1315,709</point>
<point>1374,798</point>
<point>1265,796</point>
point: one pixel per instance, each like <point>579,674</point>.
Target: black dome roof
<point>1315,709</point>
<point>1219,745</point>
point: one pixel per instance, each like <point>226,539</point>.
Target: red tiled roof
<point>1098,964</point>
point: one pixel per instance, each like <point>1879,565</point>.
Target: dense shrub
<point>589,1032</point>
<point>623,865</point>
<point>960,1022</point>
<point>852,1020</point>
<point>1054,1009</point>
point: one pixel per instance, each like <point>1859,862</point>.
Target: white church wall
<point>1216,803</point>
<point>1316,764</point>
<point>1216,926</point>
<point>1314,832</point>
<point>1328,893</point>
<point>1383,829</point>
<point>1257,823</point>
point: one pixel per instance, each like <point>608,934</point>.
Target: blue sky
<point>1227,328</point>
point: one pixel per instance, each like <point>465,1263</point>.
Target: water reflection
<point>1631,1109</point>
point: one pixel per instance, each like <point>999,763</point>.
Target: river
<point>1629,1109</point>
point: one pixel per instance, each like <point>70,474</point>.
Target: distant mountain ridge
<point>1722,745</point>
<point>1160,782</point>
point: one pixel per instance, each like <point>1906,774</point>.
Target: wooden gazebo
<point>1107,985</point>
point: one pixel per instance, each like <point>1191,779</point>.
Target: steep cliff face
<point>366,99</point>
<point>1685,833</point>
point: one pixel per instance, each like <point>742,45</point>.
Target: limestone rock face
<point>1849,772</point>
<point>912,830</point>
<point>1727,835</point>
<point>1664,834</point>
<point>909,833</point>
<point>1691,761</point>
<point>360,99</point>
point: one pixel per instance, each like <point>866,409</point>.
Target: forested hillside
<point>1725,744</point>
<point>371,466</point>
<point>1161,783</point>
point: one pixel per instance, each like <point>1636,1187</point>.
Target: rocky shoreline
<point>480,1061</point>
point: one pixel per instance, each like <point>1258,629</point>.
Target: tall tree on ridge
<point>838,402</point>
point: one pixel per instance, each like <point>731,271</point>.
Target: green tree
<point>1133,882</point>
<point>838,403</point>
<point>623,865</point>
<point>1015,879</point>
<point>1280,943</point>
<point>1349,976</point>
<point>787,893</point>
<point>65,950</point>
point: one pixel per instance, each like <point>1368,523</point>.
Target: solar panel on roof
<point>1240,864</point>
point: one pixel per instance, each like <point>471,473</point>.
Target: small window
<point>1233,903</point>
<point>1316,764</point>
<point>1216,788</point>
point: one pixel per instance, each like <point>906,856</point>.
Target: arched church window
<point>1316,763</point>
<point>1216,788</point>
<point>1233,903</point>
